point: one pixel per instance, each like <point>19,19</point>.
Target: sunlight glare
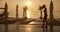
<point>28,14</point>
<point>28,3</point>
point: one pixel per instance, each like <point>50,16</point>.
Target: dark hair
<point>44,6</point>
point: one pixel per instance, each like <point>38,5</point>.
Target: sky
<point>33,8</point>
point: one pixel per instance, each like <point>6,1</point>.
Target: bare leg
<point>43,25</point>
<point>46,26</point>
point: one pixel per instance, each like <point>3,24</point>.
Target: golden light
<point>28,3</point>
<point>28,28</point>
<point>28,14</point>
<point>31,23</point>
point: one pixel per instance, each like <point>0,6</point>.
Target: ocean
<point>26,28</point>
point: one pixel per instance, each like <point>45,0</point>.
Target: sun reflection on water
<point>28,28</point>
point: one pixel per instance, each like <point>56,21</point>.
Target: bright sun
<point>28,3</point>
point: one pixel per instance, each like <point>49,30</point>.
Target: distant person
<point>45,18</point>
<point>45,12</point>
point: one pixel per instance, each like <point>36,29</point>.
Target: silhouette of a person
<point>45,12</point>
<point>45,18</point>
<point>24,12</point>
